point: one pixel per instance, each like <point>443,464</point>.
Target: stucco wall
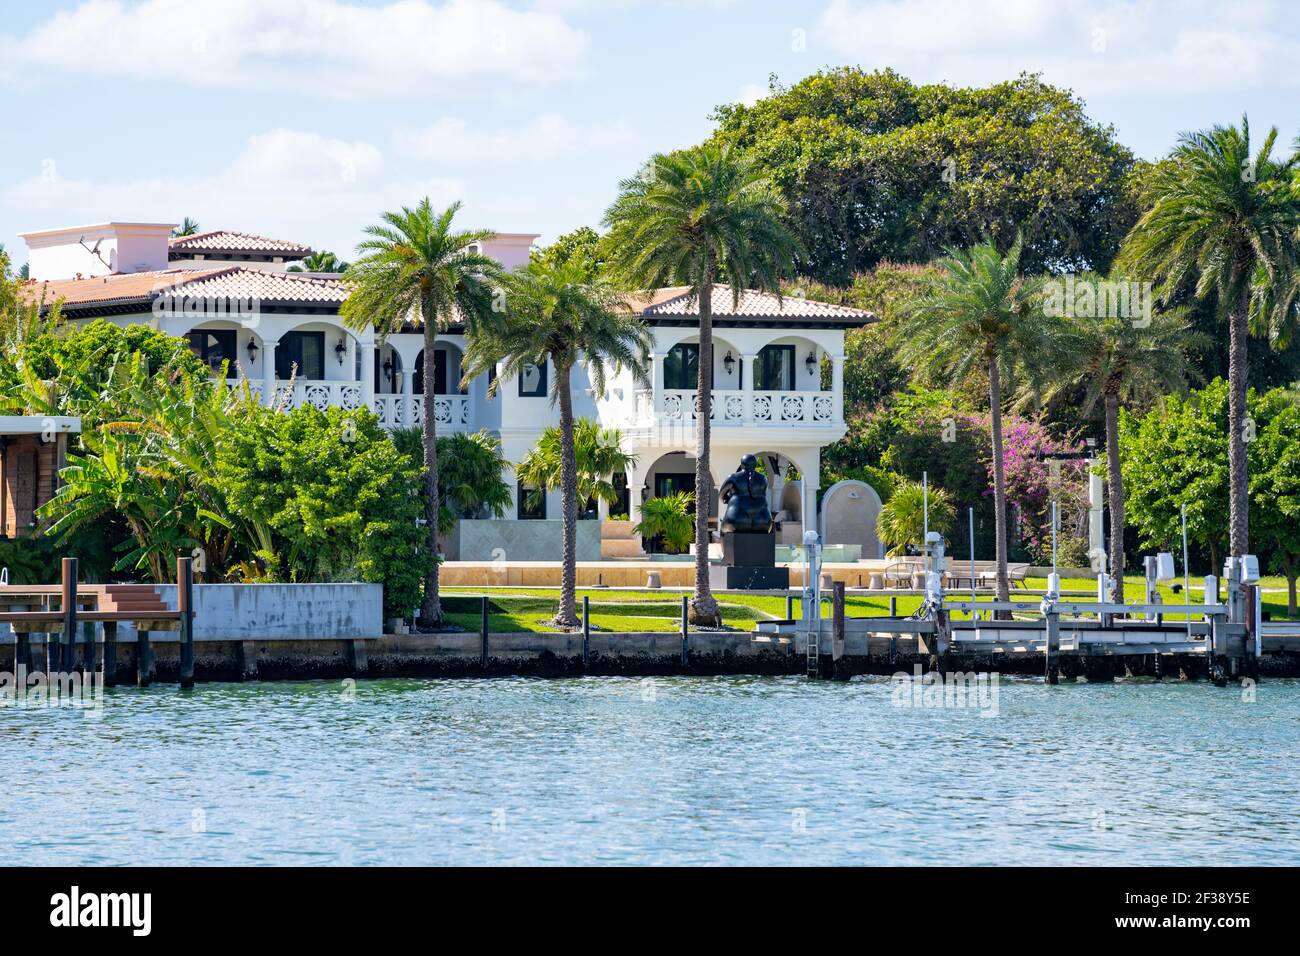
<point>274,612</point>
<point>513,540</point>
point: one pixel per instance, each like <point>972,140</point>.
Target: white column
<point>837,385</point>
<point>408,396</point>
<point>657,383</point>
<point>747,384</point>
<point>268,371</point>
<point>367,352</point>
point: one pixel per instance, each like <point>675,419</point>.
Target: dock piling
<point>88,655</point>
<point>69,608</point>
<point>143,659</point>
<point>110,653</point>
<point>185,605</point>
<point>247,660</point>
<point>483,634</point>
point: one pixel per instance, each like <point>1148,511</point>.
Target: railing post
<point>185,604</point>
<point>686,631</point>
<point>586,630</point>
<point>483,635</point>
<point>69,598</point>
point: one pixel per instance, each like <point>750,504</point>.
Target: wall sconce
<point>388,368</point>
<point>810,362</point>
<point>729,363</point>
<point>341,350</point>
<point>252,350</point>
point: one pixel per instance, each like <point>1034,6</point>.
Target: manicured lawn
<point>524,609</point>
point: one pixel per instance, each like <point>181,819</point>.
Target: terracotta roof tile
<point>271,287</point>
<point>234,282</point>
<point>754,304</point>
<point>109,289</point>
<point>225,240</point>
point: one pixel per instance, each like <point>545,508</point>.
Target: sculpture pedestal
<point>748,564</point>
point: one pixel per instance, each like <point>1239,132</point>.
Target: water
<point>731,770</point>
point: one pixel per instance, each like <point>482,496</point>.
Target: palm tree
<point>1118,361</point>
<point>598,455</point>
<point>322,261</point>
<point>980,318</point>
<point>1228,219</point>
<point>188,227</point>
<point>556,315</point>
<point>699,217</point>
<point>416,268</point>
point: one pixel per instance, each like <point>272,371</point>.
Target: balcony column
<point>837,385</point>
<point>268,371</point>
<point>747,363</point>
<point>367,352</point>
<point>657,383</point>
<point>408,397</point>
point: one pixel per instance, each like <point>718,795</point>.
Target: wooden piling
<point>586,630</point>
<point>88,663</point>
<point>837,621</point>
<point>1051,642</point>
<point>110,653</point>
<point>22,653</point>
<point>483,634</point>
<point>143,659</point>
<point>69,608</point>
<point>185,605</point>
<point>893,605</point>
<point>789,607</point>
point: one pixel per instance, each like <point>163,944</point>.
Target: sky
<point>305,119</point>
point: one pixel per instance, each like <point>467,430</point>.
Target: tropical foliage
<point>902,521</point>
<point>598,457</point>
<point>668,518</point>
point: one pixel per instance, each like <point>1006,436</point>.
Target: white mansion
<point>778,368</point>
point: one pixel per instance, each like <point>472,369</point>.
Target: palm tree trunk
<point>568,613</point>
<point>431,607</point>
<point>1115,494</point>
<point>999,481</point>
<point>1238,371</point>
<point>704,607</point>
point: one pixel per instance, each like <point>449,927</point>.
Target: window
<point>215,346</point>
<point>681,367</point>
<point>532,506</point>
<point>532,382</point>
<point>441,362</point>
<point>306,351</point>
<point>774,370</point>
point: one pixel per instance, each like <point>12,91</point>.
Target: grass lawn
<point>524,609</point>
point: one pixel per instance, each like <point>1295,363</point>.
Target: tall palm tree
<point>980,318</point>
<point>556,315</point>
<point>1117,361</point>
<point>323,261</point>
<point>414,267</point>
<point>699,217</point>
<point>1227,218</point>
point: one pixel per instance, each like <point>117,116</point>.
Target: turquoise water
<point>730,770</point>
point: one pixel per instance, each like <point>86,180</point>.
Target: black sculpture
<point>745,495</point>
<point>748,540</point>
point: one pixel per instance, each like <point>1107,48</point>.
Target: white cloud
<point>301,47</point>
<point>549,136</point>
<point>1093,46</point>
<point>285,183</point>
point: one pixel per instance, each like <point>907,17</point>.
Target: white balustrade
<point>730,406</point>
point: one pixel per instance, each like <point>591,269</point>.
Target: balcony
<point>451,412</point>
<point>743,408</point>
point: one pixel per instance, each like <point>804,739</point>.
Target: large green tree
<point>415,268</point>
<point>875,167</point>
<point>982,319</point>
<point>1122,361</point>
<point>1225,216</point>
<point>557,316</point>
<point>697,218</point>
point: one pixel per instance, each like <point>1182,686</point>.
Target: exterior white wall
<point>121,247</point>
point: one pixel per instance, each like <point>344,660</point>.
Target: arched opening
<point>669,474</point>
<point>447,360</point>
<point>389,371</point>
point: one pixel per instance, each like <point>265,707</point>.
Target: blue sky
<point>303,119</point>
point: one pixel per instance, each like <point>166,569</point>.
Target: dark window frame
<point>203,350</point>
<point>522,509</point>
<point>762,370</point>
<point>287,356</point>
<point>541,383</point>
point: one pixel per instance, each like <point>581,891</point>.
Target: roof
<point>233,282</point>
<point>677,305</point>
<point>225,241</point>
<point>38,424</point>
